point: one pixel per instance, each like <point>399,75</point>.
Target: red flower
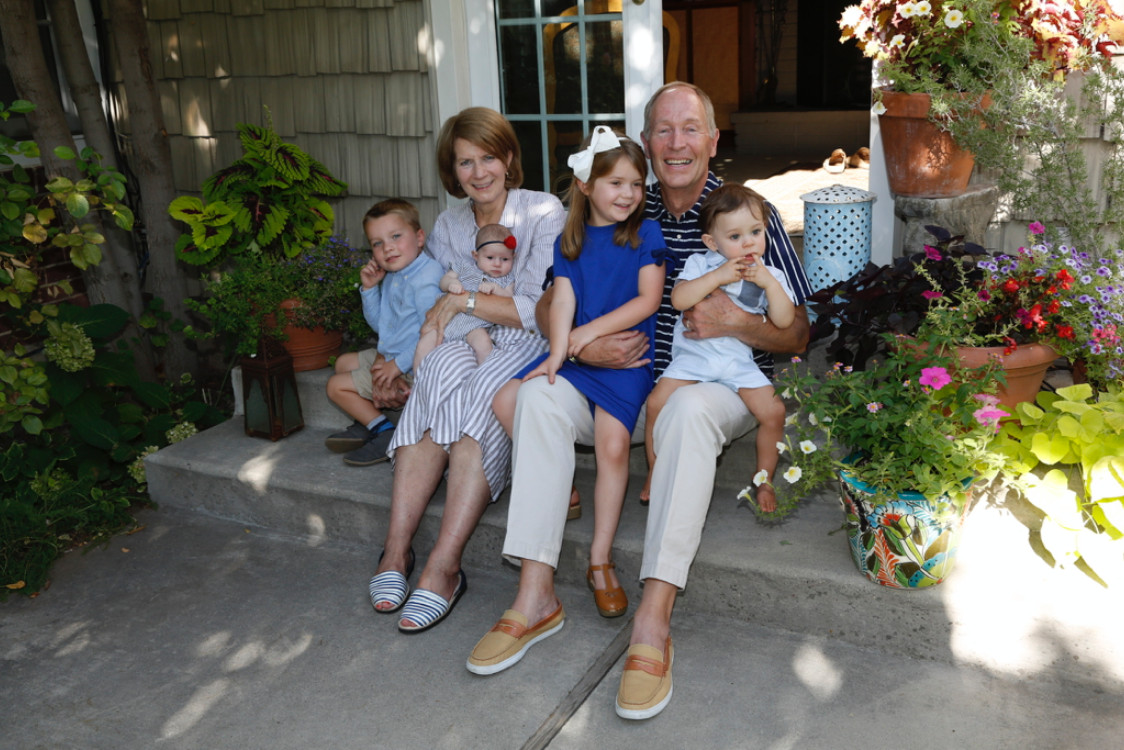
<point>1065,332</point>
<point>509,242</point>
<point>1065,277</point>
<point>1010,286</point>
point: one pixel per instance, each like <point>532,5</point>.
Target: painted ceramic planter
<point>904,542</point>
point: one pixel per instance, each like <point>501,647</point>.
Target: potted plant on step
<point>1041,302</point>
<point>288,299</point>
<point>906,440</point>
<point>941,61</point>
<point>255,220</point>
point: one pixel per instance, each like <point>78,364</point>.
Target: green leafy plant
<point>1058,296</point>
<point>1066,454</point>
<point>912,421</point>
<point>269,202</point>
<point>243,305</point>
<point>86,418</point>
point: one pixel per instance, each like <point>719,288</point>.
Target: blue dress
<point>604,277</point>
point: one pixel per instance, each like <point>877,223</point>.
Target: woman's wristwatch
<point>470,305</point>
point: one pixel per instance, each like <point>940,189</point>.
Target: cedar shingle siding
<point>346,80</point>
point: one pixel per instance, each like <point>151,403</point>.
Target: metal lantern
<point>269,393</point>
<point>837,233</point>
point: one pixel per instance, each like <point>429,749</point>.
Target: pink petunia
<point>932,253</point>
<point>930,294</point>
<point>935,377</point>
<point>1036,227</point>
<point>989,416</point>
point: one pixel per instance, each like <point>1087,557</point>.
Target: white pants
<point>697,422</point>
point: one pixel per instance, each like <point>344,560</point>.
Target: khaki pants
<point>697,422</point>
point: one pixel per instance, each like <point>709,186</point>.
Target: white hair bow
<point>603,139</point>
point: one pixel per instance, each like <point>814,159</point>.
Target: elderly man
<point>680,136</point>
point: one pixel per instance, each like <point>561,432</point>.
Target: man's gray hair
<point>708,106</point>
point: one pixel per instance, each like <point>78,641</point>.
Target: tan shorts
<point>361,376</point>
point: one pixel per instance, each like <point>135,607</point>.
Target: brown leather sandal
<point>611,602</point>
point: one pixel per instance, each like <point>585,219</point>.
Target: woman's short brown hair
<point>487,129</point>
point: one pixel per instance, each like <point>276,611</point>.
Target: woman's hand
<point>444,309</point>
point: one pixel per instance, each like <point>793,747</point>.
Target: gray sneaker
<point>355,436</point>
<point>374,452</point>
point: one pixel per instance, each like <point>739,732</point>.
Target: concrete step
<point>1004,608</point>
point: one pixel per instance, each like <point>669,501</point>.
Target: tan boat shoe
<point>646,681</point>
<point>508,640</point>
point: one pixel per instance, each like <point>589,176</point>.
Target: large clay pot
<point>921,159</point>
<point>1025,368</point>
<point>310,348</point>
<point>902,542</point>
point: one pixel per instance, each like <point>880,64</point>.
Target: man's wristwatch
<point>470,305</point>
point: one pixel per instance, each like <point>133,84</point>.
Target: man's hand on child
<point>619,351</point>
<point>580,338</point>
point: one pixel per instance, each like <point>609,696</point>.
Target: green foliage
<point>74,416</point>
<point>269,202</point>
<point>243,305</point>
<point>67,464</point>
<point>1066,454</point>
<point>914,421</point>
<point>1031,144</point>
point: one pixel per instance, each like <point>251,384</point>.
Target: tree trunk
<point>114,280</point>
<point>80,78</point>
<point>151,162</point>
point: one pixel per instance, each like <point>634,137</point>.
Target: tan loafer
<point>507,641</point>
<point>646,681</point>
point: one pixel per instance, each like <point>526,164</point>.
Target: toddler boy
<point>399,284</point>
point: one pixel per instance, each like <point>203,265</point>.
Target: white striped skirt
<point>452,398</point>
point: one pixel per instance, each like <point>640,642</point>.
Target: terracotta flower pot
<point>921,159</point>
<point>310,348</point>
<point>1025,369</point>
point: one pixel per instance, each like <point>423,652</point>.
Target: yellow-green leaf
<point>1049,448</point>
<point>1079,392</point>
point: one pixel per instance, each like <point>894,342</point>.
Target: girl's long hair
<point>627,231</point>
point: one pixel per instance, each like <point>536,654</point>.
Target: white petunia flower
<point>807,446</point>
<point>953,19</point>
<point>781,448</point>
<point>923,8</point>
<point>792,476</point>
<point>898,41</point>
<point>760,478</point>
<point>812,419</point>
<point>879,108</point>
<point>908,10</point>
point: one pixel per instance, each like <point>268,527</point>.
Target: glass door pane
<point>561,73</point>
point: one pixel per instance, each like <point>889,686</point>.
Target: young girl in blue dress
<point>608,277</point>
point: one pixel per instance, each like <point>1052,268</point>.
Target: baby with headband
<point>491,273</point>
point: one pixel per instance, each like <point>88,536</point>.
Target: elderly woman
<point>448,421</point>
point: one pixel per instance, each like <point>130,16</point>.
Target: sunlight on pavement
<point>818,673</point>
<point>196,708</point>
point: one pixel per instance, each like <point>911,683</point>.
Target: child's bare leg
<point>769,410</point>
<point>347,362</point>
<point>656,400</point>
<point>426,344</point>
<point>610,446</point>
<point>481,343</point>
<point>342,393</point>
<point>503,404</point>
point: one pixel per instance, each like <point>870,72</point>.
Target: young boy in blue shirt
<point>399,284</point>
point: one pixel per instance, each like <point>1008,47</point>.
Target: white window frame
<point>464,60</point>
